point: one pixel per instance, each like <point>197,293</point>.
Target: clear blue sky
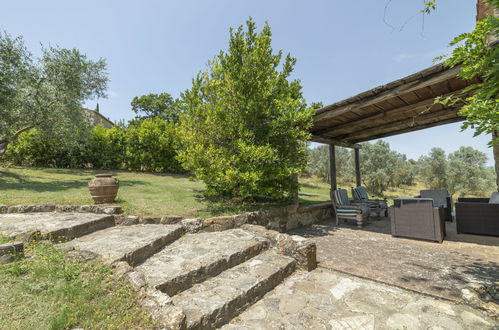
<point>342,47</point>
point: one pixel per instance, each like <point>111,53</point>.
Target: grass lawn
<point>140,193</point>
<point>49,290</point>
<point>321,190</point>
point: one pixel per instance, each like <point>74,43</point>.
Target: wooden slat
<point>404,88</point>
<point>342,128</point>
<point>404,123</point>
<point>340,143</point>
<point>412,129</point>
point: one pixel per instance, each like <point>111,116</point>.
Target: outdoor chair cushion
<point>439,196</point>
<point>360,194</point>
<point>494,199</point>
<point>341,197</point>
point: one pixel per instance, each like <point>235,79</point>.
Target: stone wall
<point>281,219</point>
<point>100,209</point>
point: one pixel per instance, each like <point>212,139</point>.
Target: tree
<point>156,105</point>
<point>477,53</point>
<point>378,165</point>
<point>468,174</point>
<point>434,169</point>
<point>45,93</point>
<point>318,164</point>
<point>245,124</point>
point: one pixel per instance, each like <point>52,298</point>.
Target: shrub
<point>147,145</point>
<point>245,125</point>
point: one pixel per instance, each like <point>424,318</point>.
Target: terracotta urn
<point>103,188</point>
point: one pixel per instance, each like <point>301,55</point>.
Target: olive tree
<point>434,169</point>
<point>245,123</point>
<point>45,93</point>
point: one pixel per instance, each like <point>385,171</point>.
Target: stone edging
<point>281,219</point>
<point>101,209</point>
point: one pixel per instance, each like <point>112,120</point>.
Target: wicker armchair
<point>478,215</point>
<point>377,205</point>
<point>441,198</point>
<point>417,218</point>
<point>345,210</point>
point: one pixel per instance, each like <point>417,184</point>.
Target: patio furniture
<point>478,215</point>
<point>441,198</point>
<point>360,195</point>
<point>345,210</point>
<point>417,218</point>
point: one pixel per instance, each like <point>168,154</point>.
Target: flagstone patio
<point>441,270</point>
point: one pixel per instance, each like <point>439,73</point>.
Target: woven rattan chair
<point>417,218</point>
<point>478,215</point>
<point>441,198</point>
<point>343,208</point>
<point>360,195</point>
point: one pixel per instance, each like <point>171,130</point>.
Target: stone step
<point>196,257</point>
<point>218,300</point>
<point>132,244</point>
<point>54,226</point>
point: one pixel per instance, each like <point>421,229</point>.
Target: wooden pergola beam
<point>335,142</point>
<point>323,113</point>
<point>412,129</point>
<point>332,169</point>
<point>403,123</point>
<point>427,103</point>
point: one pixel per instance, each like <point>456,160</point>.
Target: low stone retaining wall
<point>281,219</point>
<point>100,209</point>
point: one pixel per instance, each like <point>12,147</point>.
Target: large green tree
<point>468,173</point>
<point>434,169</point>
<point>478,53</point>
<point>156,105</point>
<point>45,93</point>
<point>245,124</point>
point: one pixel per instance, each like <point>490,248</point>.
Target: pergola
<point>402,106</point>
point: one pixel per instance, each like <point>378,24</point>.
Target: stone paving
<point>200,280</point>
<point>441,270</point>
<point>53,225</point>
<point>127,243</point>
<point>325,299</point>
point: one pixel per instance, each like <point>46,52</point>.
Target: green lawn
<point>140,193</point>
<point>49,290</point>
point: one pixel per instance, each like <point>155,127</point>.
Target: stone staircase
<point>187,280</point>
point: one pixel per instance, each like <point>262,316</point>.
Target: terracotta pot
<point>103,188</point>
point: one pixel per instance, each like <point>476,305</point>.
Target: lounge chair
<point>377,205</point>
<point>441,198</point>
<point>417,218</point>
<point>478,215</point>
<point>345,210</point>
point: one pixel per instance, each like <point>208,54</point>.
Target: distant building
<point>95,118</point>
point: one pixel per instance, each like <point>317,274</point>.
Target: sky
<point>342,47</point>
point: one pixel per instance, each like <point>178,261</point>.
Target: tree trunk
<point>495,148</point>
<point>3,148</point>
<point>4,142</point>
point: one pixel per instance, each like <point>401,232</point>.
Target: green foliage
<point>478,59</point>
<point>152,146</point>
<point>467,172</point>
<point>245,125</point>
<point>46,93</point>
<point>381,167</point>
<point>156,105</point>
<point>434,169</point>
<point>148,145</point>
<point>318,164</point>
<point>429,6</point>
<point>52,291</point>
